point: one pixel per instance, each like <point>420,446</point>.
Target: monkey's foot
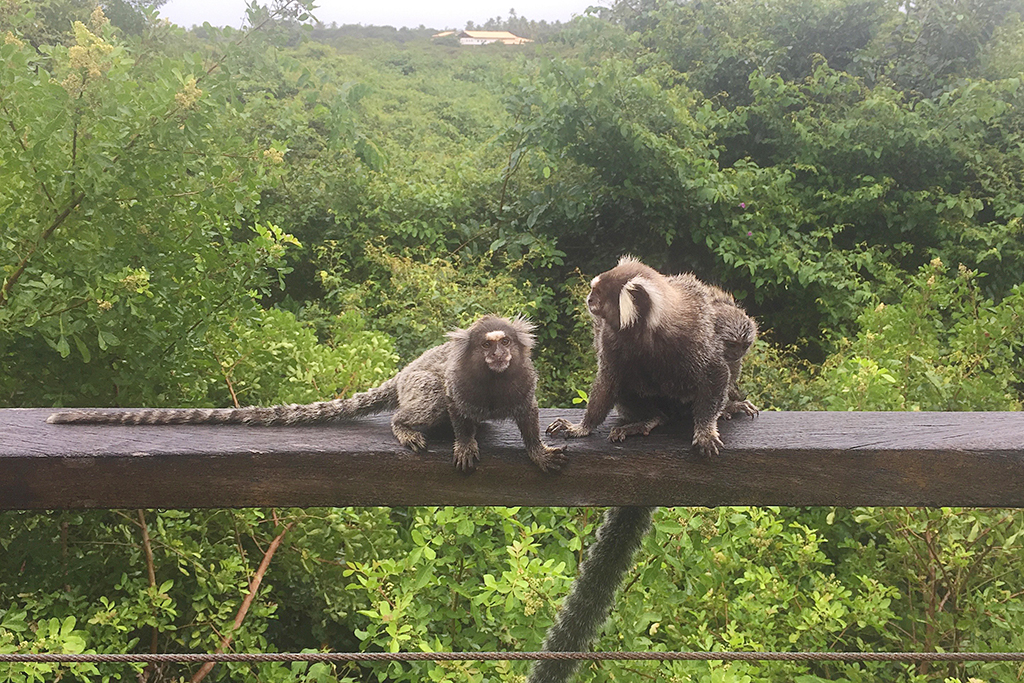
<point>706,441</point>
<point>643,428</point>
<point>549,458</point>
<point>466,455</point>
<point>568,429</point>
<point>410,438</point>
<point>744,406</point>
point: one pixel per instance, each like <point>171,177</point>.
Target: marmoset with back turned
<point>664,343</point>
<point>483,372</point>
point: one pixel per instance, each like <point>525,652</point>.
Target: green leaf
<point>83,350</point>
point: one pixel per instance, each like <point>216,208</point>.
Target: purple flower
<point>743,205</point>
<point>750,234</point>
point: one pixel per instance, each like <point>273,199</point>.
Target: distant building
<point>484,37</point>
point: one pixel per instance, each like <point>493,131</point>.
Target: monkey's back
<point>433,360</point>
<point>669,360</point>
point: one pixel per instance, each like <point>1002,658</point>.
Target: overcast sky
<point>412,13</point>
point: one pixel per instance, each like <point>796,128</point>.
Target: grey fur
<point>664,342</point>
<point>736,331</point>
<point>483,372</point>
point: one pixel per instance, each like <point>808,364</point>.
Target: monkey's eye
<point>486,344</point>
<point>505,341</point>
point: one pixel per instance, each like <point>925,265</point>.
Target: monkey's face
<point>603,300</point>
<point>496,347</point>
<point>622,298</point>
<point>737,339</point>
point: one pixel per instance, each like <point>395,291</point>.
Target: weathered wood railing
<point>805,458</point>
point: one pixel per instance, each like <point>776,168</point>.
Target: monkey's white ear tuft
<point>628,313</point>
<point>628,259</point>
<point>524,330</point>
<point>459,335</point>
<point>636,287</point>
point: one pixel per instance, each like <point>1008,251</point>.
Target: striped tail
<point>384,397</point>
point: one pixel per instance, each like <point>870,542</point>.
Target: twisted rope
<point>53,658</point>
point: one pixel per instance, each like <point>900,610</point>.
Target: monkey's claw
<point>568,429</point>
<point>619,434</point>
<point>550,458</point>
<point>707,446</point>
<point>644,428</point>
<point>413,440</point>
<point>559,425</point>
<point>743,406</point>
<point>465,457</point>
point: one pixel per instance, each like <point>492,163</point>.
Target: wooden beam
<point>805,458</point>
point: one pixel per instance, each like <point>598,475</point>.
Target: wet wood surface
<point>798,458</point>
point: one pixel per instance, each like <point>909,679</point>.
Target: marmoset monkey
<point>736,331</point>
<point>483,372</point>
<point>663,342</point>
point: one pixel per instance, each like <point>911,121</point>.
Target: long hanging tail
<point>384,397</point>
<point>587,606</point>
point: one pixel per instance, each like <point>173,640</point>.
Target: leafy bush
<point>122,185</point>
<point>942,347</point>
<point>150,186</point>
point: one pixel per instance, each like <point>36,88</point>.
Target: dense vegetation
<point>221,217</point>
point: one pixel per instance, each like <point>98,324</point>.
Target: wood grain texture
<point>804,458</point>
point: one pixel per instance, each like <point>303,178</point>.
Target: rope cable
<point>67,658</point>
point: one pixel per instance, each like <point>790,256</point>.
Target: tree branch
<point>254,586</point>
<point>151,569</point>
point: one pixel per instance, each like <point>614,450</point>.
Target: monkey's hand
<point>743,406</point>
<point>643,428</point>
<point>570,430</point>
<point>707,442</point>
<point>549,458</point>
<point>466,456</point>
<point>411,439</point>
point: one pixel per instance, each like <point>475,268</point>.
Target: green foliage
<point>470,576</point>
<point>942,347</point>
<point>940,40</point>
<point>951,566</point>
<point>44,22</point>
<point>778,378</point>
<point>718,45</point>
<point>80,583</point>
<point>123,188</point>
<point>742,579</point>
<point>354,359</point>
<point>224,217</point>
<point>806,187</point>
<point>419,301</point>
<point>616,153</point>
